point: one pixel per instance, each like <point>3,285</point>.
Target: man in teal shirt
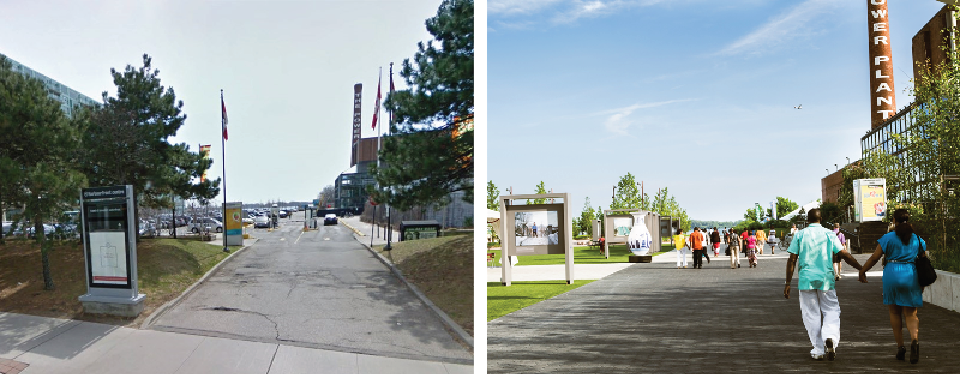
<point>811,252</point>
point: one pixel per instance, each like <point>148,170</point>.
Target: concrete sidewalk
<point>601,270</point>
<point>363,232</point>
<point>49,345</point>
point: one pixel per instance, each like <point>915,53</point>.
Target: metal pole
<point>223,162</point>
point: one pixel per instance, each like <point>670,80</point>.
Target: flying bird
<point>799,106</point>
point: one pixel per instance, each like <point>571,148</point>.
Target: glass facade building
<point>68,98</point>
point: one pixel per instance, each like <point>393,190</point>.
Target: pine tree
<point>430,152</point>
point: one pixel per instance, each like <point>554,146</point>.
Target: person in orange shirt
<point>696,243</point>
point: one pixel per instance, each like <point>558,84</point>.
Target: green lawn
<point>581,255</point>
<point>502,300</point>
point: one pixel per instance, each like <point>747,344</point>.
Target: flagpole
<point>377,116</point>
<point>223,162</point>
<point>387,207</point>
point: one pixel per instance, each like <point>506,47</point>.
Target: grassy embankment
<point>166,267</point>
<point>442,268</point>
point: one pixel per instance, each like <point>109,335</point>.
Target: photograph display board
<point>536,229</point>
<point>618,227</point>
<point>870,199</point>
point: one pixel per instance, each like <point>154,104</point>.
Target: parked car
<point>330,219</point>
<point>283,213</point>
<point>247,220</point>
<point>147,229</point>
<point>261,221</point>
<point>204,224</point>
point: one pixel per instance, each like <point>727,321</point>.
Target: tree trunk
<point>44,252</point>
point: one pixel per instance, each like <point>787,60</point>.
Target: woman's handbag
<point>926,275</point>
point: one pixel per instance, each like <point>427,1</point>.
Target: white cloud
<point>779,29</point>
<point>518,6</point>
<point>618,123</point>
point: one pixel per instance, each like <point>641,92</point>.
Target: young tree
<point>37,154</point>
<point>627,194</point>
<point>430,152</point>
<point>493,195</point>
<point>587,217</point>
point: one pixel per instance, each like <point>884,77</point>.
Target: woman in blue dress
<point>901,289</point>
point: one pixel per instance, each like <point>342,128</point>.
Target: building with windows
<point>350,189</point>
<point>68,98</point>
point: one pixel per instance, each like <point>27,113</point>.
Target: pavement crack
<point>191,354</point>
<point>274,358</point>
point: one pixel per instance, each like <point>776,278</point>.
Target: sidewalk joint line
<point>48,340</point>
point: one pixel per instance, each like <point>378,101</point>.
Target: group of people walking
<point>812,253</point>
<point>815,255</point>
<point>701,240</point>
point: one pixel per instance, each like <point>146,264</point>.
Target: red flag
<point>376,108</point>
<point>224,117</point>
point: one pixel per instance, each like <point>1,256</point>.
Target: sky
<point>286,68</point>
<point>696,96</point>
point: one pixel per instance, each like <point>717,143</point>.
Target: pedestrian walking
<point>836,258</point>
<point>901,289</point>
<point>535,230</point>
<point>696,244</point>
<point>706,246</point>
<point>751,246</point>
<point>761,239</point>
<point>811,253</point>
<point>793,230</point>
<point>733,246</point>
<point>726,239</point>
<point>715,239</point>
<point>679,242</point>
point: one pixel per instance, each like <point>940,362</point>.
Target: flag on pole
<point>392,117</point>
<point>224,116</point>
<point>376,108</point>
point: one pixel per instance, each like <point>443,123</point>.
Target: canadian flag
<point>224,117</point>
<point>376,108</point>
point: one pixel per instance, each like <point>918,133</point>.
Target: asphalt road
<point>319,289</point>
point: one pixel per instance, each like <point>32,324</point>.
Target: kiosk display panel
<point>108,261</point>
<point>536,229</point>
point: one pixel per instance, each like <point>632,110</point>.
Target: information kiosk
<point>110,251</point>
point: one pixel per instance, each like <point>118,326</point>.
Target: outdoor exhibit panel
<point>869,199</point>
<point>233,225</point>
<point>110,251</point>
<point>535,229</point>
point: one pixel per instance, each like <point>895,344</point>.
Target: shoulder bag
<point>926,275</point>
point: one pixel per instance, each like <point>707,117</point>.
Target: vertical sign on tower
<point>882,97</point>
<point>205,153</point>
<point>356,124</point>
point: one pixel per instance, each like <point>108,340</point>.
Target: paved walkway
<point>655,318</point>
<point>368,231</point>
<point>48,345</point>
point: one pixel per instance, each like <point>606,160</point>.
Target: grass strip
<point>502,300</point>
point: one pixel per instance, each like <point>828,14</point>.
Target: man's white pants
<point>682,256</point>
<point>734,256</point>
<point>821,317</point>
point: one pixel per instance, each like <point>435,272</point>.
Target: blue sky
<point>287,69</point>
<point>693,95</point>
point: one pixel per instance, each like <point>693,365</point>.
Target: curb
<point>355,230</point>
<point>160,310</point>
<point>444,318</point>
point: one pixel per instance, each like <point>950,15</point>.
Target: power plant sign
<point>883,103</point>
